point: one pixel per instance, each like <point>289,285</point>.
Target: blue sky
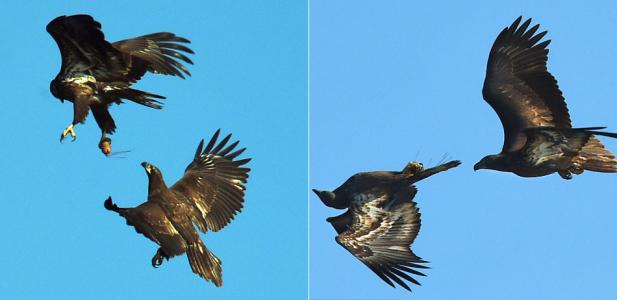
<point>396,81</point>
<point>249,78</point>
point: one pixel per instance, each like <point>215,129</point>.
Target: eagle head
<point>155,178</point>
<point>53,88</point>
<point>150,169</point>
<point>325,196</point>
<point>493,162</point>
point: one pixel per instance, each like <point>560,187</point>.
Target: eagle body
<point>206,198</point>
<point>382,220</point>
<point>538,135</point>
<point>96,73</point>
<point>151,220</point>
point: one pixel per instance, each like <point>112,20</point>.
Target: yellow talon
<point>67,131</point>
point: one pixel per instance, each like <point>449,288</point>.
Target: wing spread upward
<point>84,49</point>
<point>157,53</point>
<point>519,87</point>
<point>381,234</point>
<point>214,183</point>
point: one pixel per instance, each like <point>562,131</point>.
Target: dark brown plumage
<point>538,134</point>
<point>208,196</point>
<point>96,73</point>
<point>382,220</point>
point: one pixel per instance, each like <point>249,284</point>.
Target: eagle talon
<point>69,130</point>
<point>157,260</point>
<point>576,169</point>
<point>565,174</point>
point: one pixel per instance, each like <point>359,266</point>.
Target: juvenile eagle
<point>208,196</point>
<point>538,135</point>
<point>382,220</point>
<point>96,73</point>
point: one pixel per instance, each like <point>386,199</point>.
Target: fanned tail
<point>594,157</point>
<point>204,263</point>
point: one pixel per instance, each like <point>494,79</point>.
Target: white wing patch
<point>546,146</point>
<point>81,79</point>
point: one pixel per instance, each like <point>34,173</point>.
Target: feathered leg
<point>80,112</point>
<point>106,124</point>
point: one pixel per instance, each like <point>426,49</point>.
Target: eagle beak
<point>478,166</point>
<point>147,166</point>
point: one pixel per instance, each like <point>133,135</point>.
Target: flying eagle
<point>538,134</point>
<point>382,220</point>
<point>208,196</point>
<point>96,73</point>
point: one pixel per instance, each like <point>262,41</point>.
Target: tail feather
<point>594,157</point>
<point>141,97</point>
<point>204,263</point>
<point>594,130</point>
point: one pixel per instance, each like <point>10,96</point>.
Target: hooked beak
<point>324,195</point>
<point>147,166</point>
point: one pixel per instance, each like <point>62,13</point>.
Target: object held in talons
<point>105,145</point>
<point>413,167</point>
<point>67,131</point>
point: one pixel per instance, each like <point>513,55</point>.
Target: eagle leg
<point>105,144</point>
<point>565,174</point>
<point>69,130</point>
<point>157,260</point>
<point>576,169</point>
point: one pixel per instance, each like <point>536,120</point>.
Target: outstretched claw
<point>67,131</point>
<point>157,260</point>
<point>413,167</point>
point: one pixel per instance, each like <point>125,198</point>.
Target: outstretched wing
<point>519,87</point>
<point>84,49</point>
<point>150,220</point>
<point>157,53</point>
<point>381,234</point>
<point>214,183</point>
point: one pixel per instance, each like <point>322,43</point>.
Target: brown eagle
<point>208,196</point>
<point>538,134</point>
<point>96,73</point>
<point>382,220</point>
